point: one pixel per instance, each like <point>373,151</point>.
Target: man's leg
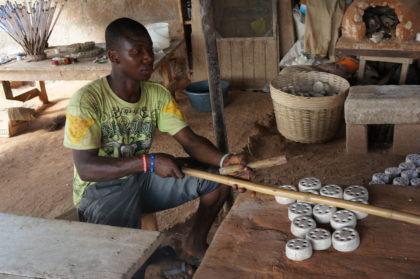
<point>210,205</point>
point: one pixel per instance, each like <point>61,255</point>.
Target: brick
<point>406,139</point>
<point>356,139</point>
<point>383,104</point>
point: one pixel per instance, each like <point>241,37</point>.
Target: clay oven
<point>354,27</point>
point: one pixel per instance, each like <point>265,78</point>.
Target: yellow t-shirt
<point>98,118</point>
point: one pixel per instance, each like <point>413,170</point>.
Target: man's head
<point>130,48</point>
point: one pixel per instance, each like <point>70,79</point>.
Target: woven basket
<point>308,119</point>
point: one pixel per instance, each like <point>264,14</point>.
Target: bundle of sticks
<point>30,24</point>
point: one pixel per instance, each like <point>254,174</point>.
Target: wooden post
<point>216,96</point>
<point>7,89</point>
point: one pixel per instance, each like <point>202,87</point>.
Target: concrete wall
<point>86,20</point>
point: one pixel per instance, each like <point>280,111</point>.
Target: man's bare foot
<point>194,247</point>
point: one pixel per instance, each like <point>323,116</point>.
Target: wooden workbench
<point>83,70</point>
<point>43,248</point>
<point>250,243</point>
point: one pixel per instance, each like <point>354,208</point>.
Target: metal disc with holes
<point>343,218</point>
<point>299,209</point>
<point>283,200</point>
<point>359,215</point>
<point>332,191</point>
<point>400,181</point>
<point>298,249</point>
<point>413,158</point>
<point>322,213</point>
<point>409,174</point>
<point>380,177</point>
<point>320,238</point>
<point>393,172</point>
<point>309,183</point>
<point>415,182</point>
<point>301,225</point>
<point>345,240</point>
<point>407,166</point>
<point>356,191</point>
<point>315,192</point>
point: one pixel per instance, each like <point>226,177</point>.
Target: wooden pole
<point>216,95</point>
<point>273,191</point>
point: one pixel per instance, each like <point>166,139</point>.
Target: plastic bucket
<point>199,94</point>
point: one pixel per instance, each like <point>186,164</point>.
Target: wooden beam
<point>216,95</point>
<point>7,90</point>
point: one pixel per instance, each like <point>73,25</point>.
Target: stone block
<point>406,139</point>
<point>386,104</point>
<point>356,139</point>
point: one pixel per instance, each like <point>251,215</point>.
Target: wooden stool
<point>387,104</point>
<point>404,69</point>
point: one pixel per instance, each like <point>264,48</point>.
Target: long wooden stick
<point>273,191</point>
<point>270,162</point>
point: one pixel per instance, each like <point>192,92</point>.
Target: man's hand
<point>245,173</point>
<point>165,166</point>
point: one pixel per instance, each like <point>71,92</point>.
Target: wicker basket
<point>308,119</point>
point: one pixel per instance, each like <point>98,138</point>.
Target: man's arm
<point>203,150</point>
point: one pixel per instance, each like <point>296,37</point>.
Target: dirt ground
<point>36,173</point>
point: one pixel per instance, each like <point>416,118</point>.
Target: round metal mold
<point>309,183</point>
<point>345,240</point>
<point>356,191</point>
<point>298,249</point>
<point>315,192</point>
<point>381,177</point>
<point>409,174</point>
<point>343,218</point>
<point>332,191</point>
<point>400,181</point>
<point>301,225</point>
<point>415,182</point>
<point>407,166</point>
<point>359,215</point>
<point>299,209</point>
<point>320,238</point>
<point>322,213</point>
<point>418,170</point>
<point>393,172</point>
<point>413,158</point>
<point>284,200</point>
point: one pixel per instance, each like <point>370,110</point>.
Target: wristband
<point>223,159</point>
<point>152,162</point>
<point>144,162</point>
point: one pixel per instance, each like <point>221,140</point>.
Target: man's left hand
<point>245,173</point>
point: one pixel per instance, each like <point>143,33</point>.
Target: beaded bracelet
<point>223,159</point>
<point>144,163</point>
<point>152,162</point>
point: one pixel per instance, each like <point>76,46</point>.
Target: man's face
<point>136,56</point>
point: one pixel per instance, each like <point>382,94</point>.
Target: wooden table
<point>83,70</point>
<point>43,248</point>
<point>250,243</point>
<point>388,51</point>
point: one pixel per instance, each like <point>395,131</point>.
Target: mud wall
<point>86,20</point>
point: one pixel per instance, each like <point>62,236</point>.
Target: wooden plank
<point>7,90</point>
<point>388,59</point>
<point>361,71</point>
<point>388,249</point>
<point>43,92</point>
<point>287,35</point>
<point>248,66</point>
<point>197,44</point>
<point>403,74</point>
<point>225,59</point>
<point>377,52</point>
<point>237,63</point>
<point>271,55</point>
<point>43,248</point>
<point>259,64</point>
<point>27,95</point>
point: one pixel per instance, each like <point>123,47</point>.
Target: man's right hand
<point>165,166</point>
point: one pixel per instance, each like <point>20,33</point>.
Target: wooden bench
<point>43,248</point>
<point>387,104</point>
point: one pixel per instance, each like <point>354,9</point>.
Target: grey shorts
<point>120,202</point>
